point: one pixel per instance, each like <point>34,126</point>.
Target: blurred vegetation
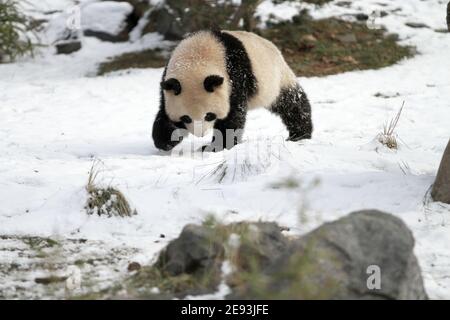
<point>330,46</point>
<point>151,58</point>
<point>14,28</point>
<point>311,47</point>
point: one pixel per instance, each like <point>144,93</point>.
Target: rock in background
<point>68,47</point>
<point>174,18</point>
<point>108,20</point>
<point>441,186</point>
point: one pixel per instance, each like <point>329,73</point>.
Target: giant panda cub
<point>214,77</point>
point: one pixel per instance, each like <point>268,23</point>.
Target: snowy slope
<point>55,118</point>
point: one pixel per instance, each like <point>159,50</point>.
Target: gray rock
<point>263,244</point>
<point>332,261</point>
<point>441,186</point>
<point>200,247</point>
<point>335,261</point>
<point>195,250</point>
<point>139,6</point>
<point>68,47</point>
<point>165,22</point>
<point>108,20</point>
<point>361,17</point>
<point>105,36</point>
<point>416,25</point>
<point>345,4</point>
<point>448,16</point>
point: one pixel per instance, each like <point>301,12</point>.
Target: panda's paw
<point>210,148</point>
<point>298,137</point>
<point>168,145</point>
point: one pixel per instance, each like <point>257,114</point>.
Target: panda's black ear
<point>172,85</point>
<point>211,82</point>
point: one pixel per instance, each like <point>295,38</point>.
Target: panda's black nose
<point>210,116</point>
<point>186,119</point>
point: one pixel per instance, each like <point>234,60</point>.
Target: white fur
<point>202,55</point>
<point>269,68</point>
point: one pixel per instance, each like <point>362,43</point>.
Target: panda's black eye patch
<point>186,119</point>
<point>210,116</point>
<point>211,82</point>
<point>172,85</point>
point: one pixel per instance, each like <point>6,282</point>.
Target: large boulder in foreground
<point>441,186</point>
<point>196,249</point>
<point>200,248</point>
<point>365,255</point>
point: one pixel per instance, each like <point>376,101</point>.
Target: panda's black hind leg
<point>293,106</point>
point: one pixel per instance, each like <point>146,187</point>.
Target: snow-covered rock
<point>107,20</point>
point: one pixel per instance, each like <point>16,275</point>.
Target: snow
<point>268,10</point>
<point>106,16</point>
<point>56,118</point>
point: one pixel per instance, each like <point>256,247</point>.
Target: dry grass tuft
<point>233,170</point>
<point>388,137</point>
<point>105,201</point>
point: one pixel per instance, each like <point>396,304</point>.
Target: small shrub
<point>14,32</point>
<point>105,201</point>
<point>388,137</point>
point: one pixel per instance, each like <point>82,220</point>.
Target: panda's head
<point>196,84</point>
<point>197,99</point>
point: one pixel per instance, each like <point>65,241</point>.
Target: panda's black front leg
<point>228,132</point>
<point>164,132</point>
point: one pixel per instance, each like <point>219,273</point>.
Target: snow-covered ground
<point>56,118</point>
